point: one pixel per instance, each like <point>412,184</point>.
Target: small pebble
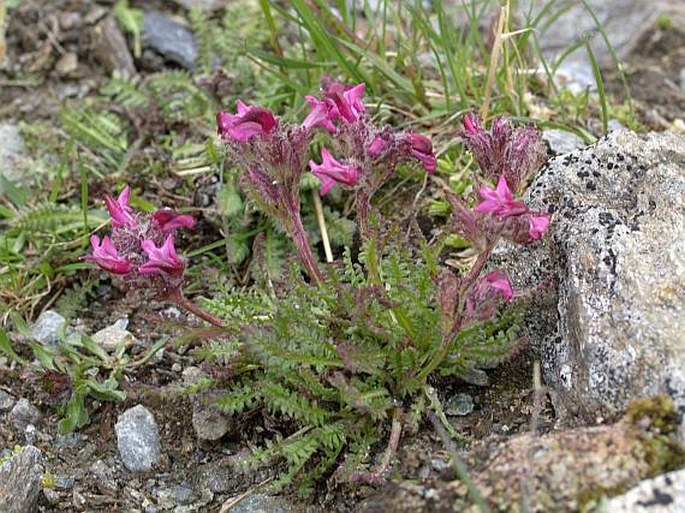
<point>459,405</point>
<point>138,439</point>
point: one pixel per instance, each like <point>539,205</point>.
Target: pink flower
<point>248,122</point>
<point>119,209</point>
<point>484,296</point>
<point>500,201</point>
<point>504,150</point>
<point>105,255</point>
<point>470,124</point>
<point>422,149</point>
<point>330,172</point>
<point>162,260</point>
<point>169,220</point>
<point>537,225</point>
<point>345,102</point>
<point>499,282</point>
<point>377,146</point>
<point>320,115</point>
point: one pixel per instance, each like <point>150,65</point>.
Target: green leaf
<point>6,347</point>
<point>44,356</point>
<point>94,348</point>
<point>230,201</point>
<point>106,391</point>
<point>15,194</point>
<point>324,42</point>
<point>76,415</point>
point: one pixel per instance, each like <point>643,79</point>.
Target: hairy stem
<point>446,341</point>
<point>301,241</point>
<point>363,208</point>
<point>177,297</point>
<point>378,476</point>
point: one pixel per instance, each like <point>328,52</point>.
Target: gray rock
<point>459,405</point>
<point>170,39</point>
<point>6,401</point>
<point>104,477</point>
<point>261,503</point>
<point>67,64</point>
<point>110,49</point>
<point>169,497</point>
<point>561,141</point>
<point>576,23</point>
<point>138,439</point>
<point>115,336</point>
<point>616,248</point>
<point>209,423</point>
<point>48,327</point>
<point>11,152</point>
<point>560,471</point>
<point>663,494</point>
<point>24,414</point>
<point>476,377</point>
<point>52,496</point>
<point>192,375</point>
<point>64,482</point>
<point>20,481</point>
<point>216,476</point>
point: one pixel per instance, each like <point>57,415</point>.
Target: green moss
<point>14,452</point>
<point>658,418</point>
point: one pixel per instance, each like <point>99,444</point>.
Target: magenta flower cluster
<point>141,246</point>
<point>508,155</point>
<point>359,156</point>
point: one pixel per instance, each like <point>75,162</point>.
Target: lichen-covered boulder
<point>616,257</point>
<point>563,471</point>
<point>20,481</point>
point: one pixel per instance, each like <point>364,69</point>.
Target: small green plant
<point>341,358</point>
<point>80,368</point>
<point>11,454</point>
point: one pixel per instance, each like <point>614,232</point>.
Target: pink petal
<point>170,220</point>
<point>537,226</point>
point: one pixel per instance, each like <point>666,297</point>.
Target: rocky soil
<point>606,328</point>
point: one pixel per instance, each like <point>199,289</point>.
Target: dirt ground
<point>39,35</point>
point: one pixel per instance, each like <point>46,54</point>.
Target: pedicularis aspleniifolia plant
<point>351,350</point>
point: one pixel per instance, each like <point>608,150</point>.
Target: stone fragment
<point>115,336</point>
<point>562,141</point>
<point>209,423</point>
<point>138,439</point>
<point>20,481</point>
<point>104,477</point>
<point>459,405</point>
<point>24,414</point>
<point>110,49</point>
<point>48,327</point>
<point>6,401</point>
<point>261,503</point>
<point>663,494</point>
<point>617,250</point>
<point>67,64</point>
<point>12,152</point>
<point>169,38</point>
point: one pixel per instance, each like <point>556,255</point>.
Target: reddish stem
<point>363,208</point>
<point>302,244</point>
<point>378,476</point>
<point>177,297</point>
